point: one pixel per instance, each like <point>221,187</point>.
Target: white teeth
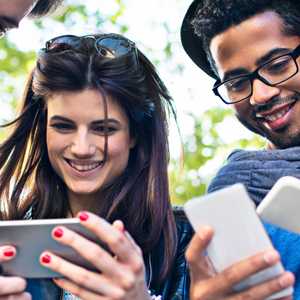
<point>271,118</point>
<point>277,116</point>
<point>84,167</point>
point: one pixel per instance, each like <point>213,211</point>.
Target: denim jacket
<point>259,171</point>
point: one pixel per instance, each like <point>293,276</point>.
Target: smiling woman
<point>92,135</point>
<point>76,142</point>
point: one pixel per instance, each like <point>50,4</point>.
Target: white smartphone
<point>31,238</point>
<point>238,232</point>
<point>281,206</point>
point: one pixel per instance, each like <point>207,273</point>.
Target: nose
<point>83,145</point>
<point>262,92</point>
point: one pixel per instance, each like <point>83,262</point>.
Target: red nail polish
<point>46,259</point>
<point>83,216</point>
<point>58,233</point>
<point>8,253</point>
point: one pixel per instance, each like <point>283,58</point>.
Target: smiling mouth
<point>87,167</point>
<point>275,116</point>
<point>278,115</point>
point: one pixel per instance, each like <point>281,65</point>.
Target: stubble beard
<point>281,138</point>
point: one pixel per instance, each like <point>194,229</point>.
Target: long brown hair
<point>140,195</point>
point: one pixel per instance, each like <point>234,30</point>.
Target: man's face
<point>12,12</point>
<point>271,111</point>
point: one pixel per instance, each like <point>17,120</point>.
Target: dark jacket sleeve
<point>177,284</point>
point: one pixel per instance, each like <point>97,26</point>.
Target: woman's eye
<point>101,129</point>
<point>62,127</point>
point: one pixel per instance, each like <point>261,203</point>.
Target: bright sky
<point>190,90</point>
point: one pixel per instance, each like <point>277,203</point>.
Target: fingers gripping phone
<point>281,206</point>
<point>238,232</point>
<point>31,238</point>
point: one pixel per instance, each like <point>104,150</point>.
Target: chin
<point>83,190</point>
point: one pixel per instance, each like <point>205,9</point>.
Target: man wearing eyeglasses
<point>252,49</point>
<point>13,11</point>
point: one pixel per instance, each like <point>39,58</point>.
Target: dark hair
<point>140,195</point>
<point>45,8</point>
<point>215,16</point>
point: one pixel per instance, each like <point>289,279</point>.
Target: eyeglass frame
<point>294,54</point>
<point>131,43</point>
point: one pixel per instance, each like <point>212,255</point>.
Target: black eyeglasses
<point>111,45</point>
<point>272,72</point>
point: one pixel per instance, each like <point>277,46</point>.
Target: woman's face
<point>76,140</point>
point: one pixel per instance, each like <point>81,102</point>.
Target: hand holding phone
<point>31,238</point>
<point>238,232</point>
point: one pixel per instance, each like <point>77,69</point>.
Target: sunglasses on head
<point>111,45</point>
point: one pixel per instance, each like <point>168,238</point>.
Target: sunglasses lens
<point>64,43</point>
<point>113,46</point>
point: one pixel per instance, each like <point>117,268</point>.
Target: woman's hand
<point>122,275</point>
<point>207,285</point>
<point>11,288</point>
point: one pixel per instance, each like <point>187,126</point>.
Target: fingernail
<point>204,232</point>
<point>286,280</point>
<point>46,259</point>
<point>83,216</point>
<point>123,229</point>
<point>58,233</point>
<point>8,252</point>
<point>270,256</point>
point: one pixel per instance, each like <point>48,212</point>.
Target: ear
<point>133,141</point>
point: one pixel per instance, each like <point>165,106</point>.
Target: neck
<point>271,146</point>
<point>79,203</point>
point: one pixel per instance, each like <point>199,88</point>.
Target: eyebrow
<point>271,53</point>
<point>10,21</point>
<point>96,122</point>
<point>259,61</point>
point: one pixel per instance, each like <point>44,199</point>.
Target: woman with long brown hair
<point>91,140</point>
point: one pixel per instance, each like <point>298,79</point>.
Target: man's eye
<point>237,85</point>
<point>281,66</point>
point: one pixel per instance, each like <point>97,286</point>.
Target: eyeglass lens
<point>63,43</point>
<point>113,46</point>
<point>274,72</point>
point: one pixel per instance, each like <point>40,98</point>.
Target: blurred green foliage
<point>205,151</point>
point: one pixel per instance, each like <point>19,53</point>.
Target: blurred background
<point>208,127</point>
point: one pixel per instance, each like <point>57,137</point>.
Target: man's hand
<point>207,285</point>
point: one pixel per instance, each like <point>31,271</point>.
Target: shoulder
<point>257,170</point>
